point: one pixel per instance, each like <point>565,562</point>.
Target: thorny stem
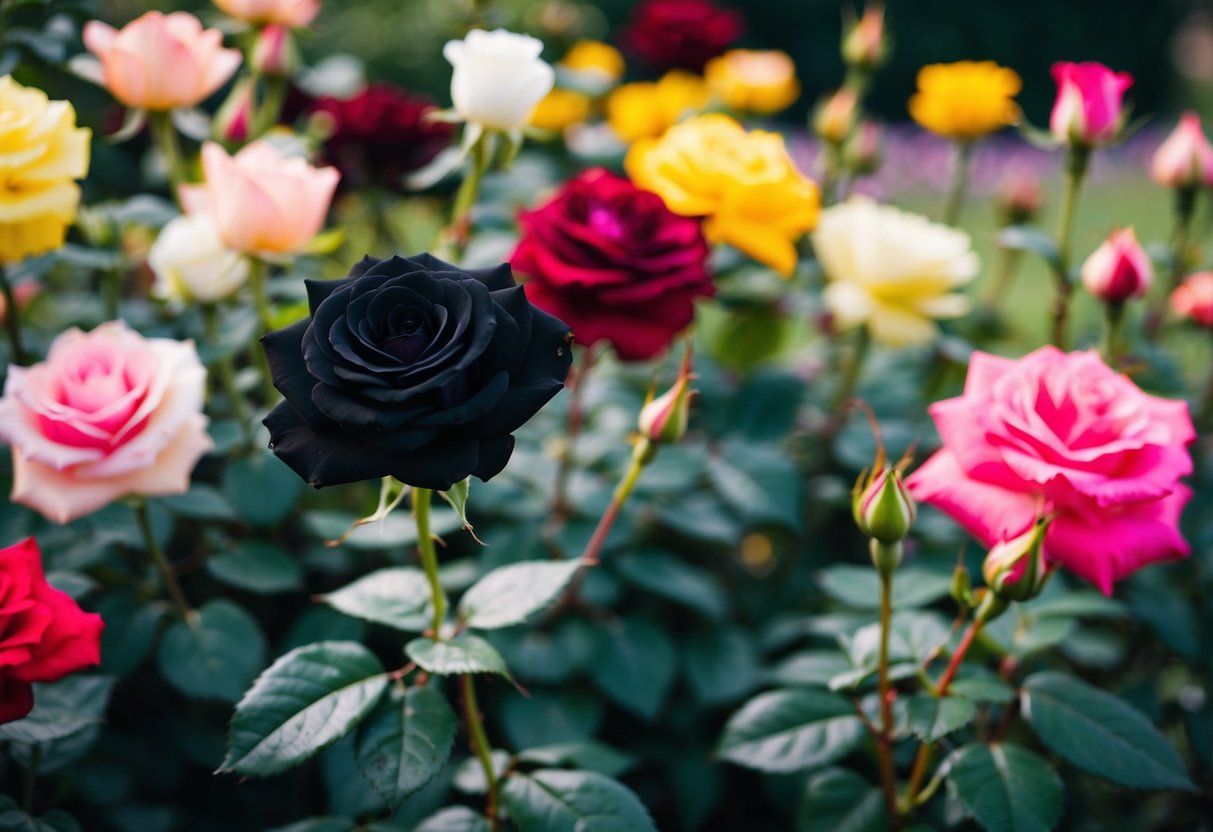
<point>168,576</point>
<point>422,497</point>
<point>480,745</point>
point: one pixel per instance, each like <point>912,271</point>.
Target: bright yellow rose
<point>752,81</point>
<point>892,271</point>
<point>966,100</point>
<point>41,152</point>
<point>743,183</point>
<point>560,109</point>
<point>647,109</point>
<point>594,58</point>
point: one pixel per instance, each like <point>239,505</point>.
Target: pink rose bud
<point>883,508</point>
<point>261,201</point>
<point>292,13</point>
<point>1089,109</point>
<point>1194,298</point>
<point>836,115</point>
<point>1185,159</point>
<point>1119,269</point>
<point>159,61</point>
<point>275,52</point>
<point>23,294</point>
<point>664,419</point>
<point>864,45</point>
<point>1020,197</point>
<point>234,121</point>
<point>1015,569</point>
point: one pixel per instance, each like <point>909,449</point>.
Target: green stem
<point>165,135</point>
<point>959,184</point>
<point>12,320</point>
<point>225,371</point>
<point>422,498</point>
<point>885,742</point>
<point>480,745</point>
<point>1185,210</point>
<point>1114,315</point>
<point>271,108</point>
<point>1076,170</point>
<point>31,778</point>
<point>459,230</point>
<point>168,577</point>
<point>258,279</point>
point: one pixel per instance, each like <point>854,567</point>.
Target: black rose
<point>411,368</point>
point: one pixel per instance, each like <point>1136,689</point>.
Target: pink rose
<point>1063,434</point>
<point>1089,109</point>
<point>1119,269</point>
<point>1185,159</point>
<point>161,61</point>
<point>1194,298</point>
<point>260,200</point>
<point>109,413</point>
<point>293,13</point>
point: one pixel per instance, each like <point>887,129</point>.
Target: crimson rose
<point>615,263</point>
<point>44,635</point>
<point>681,34</point>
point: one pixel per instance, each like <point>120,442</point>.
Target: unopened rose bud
<point>234,122</point>
<point>863,152</point>
<point>23,295</point>
<point>1193,299</point>
<point>1119,269</point>
<point>864,45</point>
<point>664,419</point>
<point>275,52</point>
<point>1015,569</point>
<point>1020,197</point>
<point>883,509</point>
<point>836,115</point>
<point>962,586</point>
<point>1089,109</point>
<point>1185,159</point>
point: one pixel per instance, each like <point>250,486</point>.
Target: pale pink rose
<point>1194,298</point>
<point>161,61</point>
<point>261,201</point>
<point>109,413</point>
<point>1119,269</point>
<point>1089,109</point>
<point>1062,434</point>
<point>293,13</point>
<point>1185,159</point>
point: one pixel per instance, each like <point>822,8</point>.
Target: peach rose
<point>109,413</point>
<point>260,200</point>
<point>293,13</point>
<point>161,61</point>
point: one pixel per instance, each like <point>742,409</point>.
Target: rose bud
<point>160,62</point>
<point>1015,569</point>
<point>498,78</point>
<point>1089,109</point>
<point>23,295</point>
<point>836,115</point>
<point>1020,197</point>
<point>663,420</point>
<point>234,121</point>
<point>883,509</point>
<point>292,13</point>
<point>863,151</point>
<point>44,635</point>
<point>192,263</point>
<point>864,45</point>
<point>1185,159</point>
<point>275,52</point>
<point>1194,298</point>
<point>1119,269</point>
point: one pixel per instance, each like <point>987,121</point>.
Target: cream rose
<point>192,263</point>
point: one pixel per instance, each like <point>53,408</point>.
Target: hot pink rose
<point>1185,159</point>
<point>1119,269</point>
<point>109,413</point>
<point>161,61</point>
<point>1089,109</point>
<point>291,13</point>
<point>1194,298</point>
<point>1061,433</point>
<point>44,635</point>
<point>260,200</point>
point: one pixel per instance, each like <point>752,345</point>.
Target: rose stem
<point>168,577</point>
<point>465,198</point>
<point>422,497</point>
<point>480,745</point>
<point>31,778</point>
<point>959,183</point>
<point>1113,316</point>
<point>12,320</point>
<point>1076,169</point>
<point>226,372</point>
<point>1185,208</point>
<point>884,743</point>
<point>271,107</point>
<point>257,279</point>
<point>560,505</point>
<point>166,140</point>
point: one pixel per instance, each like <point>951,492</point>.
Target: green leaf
<point>465,653</point>
<point>930,718</point>
<point>859,586</point>
<point>398,597</point>
<point>57,712</point>
<point>405,742</point>
<point>395,532</point>
<point>201,502</point>
<point>261,488</point>
<point>1005,787</point>
<point>319,824</point>
<point>308,698</point>
<point>983,689</point>
<point>510,594</point>
<point>454,819</point>
<point>550,800</point>
<point>669,576</point>
<point>760,483</point>
<point>548,717</point>
<point>587,755</point>
<point>1100,733</point>
<point>257,567</point>
<point>216,656</point>
<point>789,730</point>
<point>1029,238</point>
<point>635,665</point>
<point>837,800</point>
<point>457,498</point>
<point>810,667</point>
<point>720,665</point>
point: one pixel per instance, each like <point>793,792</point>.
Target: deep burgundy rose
<point>681,34</point>
<point>615,263</point>
<point>44,635</point>
<point>380,134</point>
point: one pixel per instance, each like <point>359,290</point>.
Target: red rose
<point>44,635</point>
<point>614,263</point>
<point>681,34</point>
<point>380,135</point>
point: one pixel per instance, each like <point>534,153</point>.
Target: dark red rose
<point>44,635</point>
<point>680,34</point>
<point>614,263</point>
<point>380,134</point>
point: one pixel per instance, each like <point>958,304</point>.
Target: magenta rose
<point>1089,109</point>
<point>44,635</point>
<point>614,263</point>
<point>1063,434</point>
<point>681,34</point>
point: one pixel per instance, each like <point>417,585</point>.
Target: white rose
<point>192,263</point>
<point>498,78</point>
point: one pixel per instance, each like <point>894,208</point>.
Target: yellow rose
<point>743,183</point>
<point>560,109</point>
<point>594,59</point>
<point>646,109</point>
<point>892,271</point>
<point>752,81</point>
<point>41,152</point>
<point>966,100</point>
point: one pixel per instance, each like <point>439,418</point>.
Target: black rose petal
<point>289,373</point>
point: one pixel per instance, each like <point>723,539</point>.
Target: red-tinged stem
<point>884,744</point>
<point>957,657</point>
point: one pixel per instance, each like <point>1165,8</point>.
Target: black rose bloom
<point>412,368</point>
